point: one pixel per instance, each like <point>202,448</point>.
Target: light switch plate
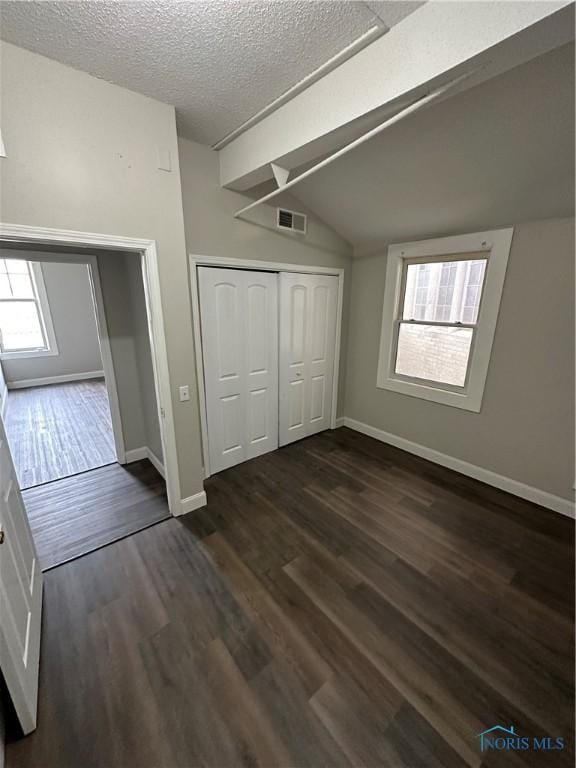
<point>164,160</point>
<point>184,393</point>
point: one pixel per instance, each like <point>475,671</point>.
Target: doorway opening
<point>56,406</point>
<point>80,406</point>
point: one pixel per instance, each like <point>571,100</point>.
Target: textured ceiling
<point>500,153</point>
<point>218,62</point>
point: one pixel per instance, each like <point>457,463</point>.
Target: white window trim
<point>496,245</point>
<point>45,320</point>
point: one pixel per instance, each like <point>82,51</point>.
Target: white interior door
<point>239,320</point>
<point>20,595</point>
<point>308,312</point>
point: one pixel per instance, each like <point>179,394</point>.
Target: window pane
<point>21,286</point>
<point>435,353</point>
<point>20,326</point>
<point>444,291</point>
<point>17,266</point>
<point>5,290</point>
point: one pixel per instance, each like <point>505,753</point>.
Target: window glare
<point>16,266</point>
<point>444,291</point>
<point>436,353</point>
<point>20,326</point>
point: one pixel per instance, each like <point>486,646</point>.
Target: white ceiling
<point>217,61</point>
<point>500,153</point>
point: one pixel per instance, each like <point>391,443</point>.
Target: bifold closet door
<point>308,312</point>
<point>239,319</point>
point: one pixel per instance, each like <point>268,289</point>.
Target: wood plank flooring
<point>59,430</point>
<point>78,514</point>
<point>338,603</point>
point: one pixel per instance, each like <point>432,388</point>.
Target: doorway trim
<point>262,266</point>
<point>147,251</point>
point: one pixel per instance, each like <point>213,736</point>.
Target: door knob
<point>2,536</point>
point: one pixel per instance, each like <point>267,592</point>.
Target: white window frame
<point>495,245</point>
<point>45,316</point>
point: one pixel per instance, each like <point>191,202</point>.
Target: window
<point>25,324</point>
<point>440,309</point>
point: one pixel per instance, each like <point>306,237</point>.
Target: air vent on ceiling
<point>295,222</point>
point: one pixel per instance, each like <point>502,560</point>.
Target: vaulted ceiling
<point>217,61</point>
<point>500,153</point>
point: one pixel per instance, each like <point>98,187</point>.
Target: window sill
<point>468,401</point>
<point>27,354</point>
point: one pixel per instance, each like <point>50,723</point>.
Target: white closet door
<point>20,595</point>
<point>239,318</point>
<point>308,308</point>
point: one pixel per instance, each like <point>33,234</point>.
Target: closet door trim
<point>261,266</point>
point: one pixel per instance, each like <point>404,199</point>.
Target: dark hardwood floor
<point>78,514</point>
<point>338,603</point>
<point>59,430</point>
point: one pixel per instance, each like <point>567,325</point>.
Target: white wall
<point>82,154</point>
<point>525,429</point>
<point>72,309</point>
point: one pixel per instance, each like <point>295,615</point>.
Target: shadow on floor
<point>79,514</point>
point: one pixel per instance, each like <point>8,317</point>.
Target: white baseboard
<point>137,454</point>
<point>4,402</point>
<point>339,422</point>
<point>188,504</point>
<point>23,383</point>
<point>155,461</point>
<point>191,503</point>
<point>545,499</point>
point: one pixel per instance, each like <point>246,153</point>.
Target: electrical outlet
<point>184,393</point>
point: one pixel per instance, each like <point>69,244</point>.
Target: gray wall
<point>2,388</point>
<point>72,309</point>
<point>2,735</point>
<point>125,308</point>
<point>211,229</point>
<point>82,154</point>
<point>525,429</point>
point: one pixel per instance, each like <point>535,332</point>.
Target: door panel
<point>258,409</point>
<point>298,315</point>
<point>257,336</point>
<point>231,416</point>
<point>296,404</point>
<point>20,595</point>
<point>318,398</point>
<point>227,337</point>
<point>320,323</point>
<point>239,311</point>
<point>308,310</point>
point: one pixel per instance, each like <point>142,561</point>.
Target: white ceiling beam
<point>437,42</point>
<point>282,187</point>
<point>350,50</point>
